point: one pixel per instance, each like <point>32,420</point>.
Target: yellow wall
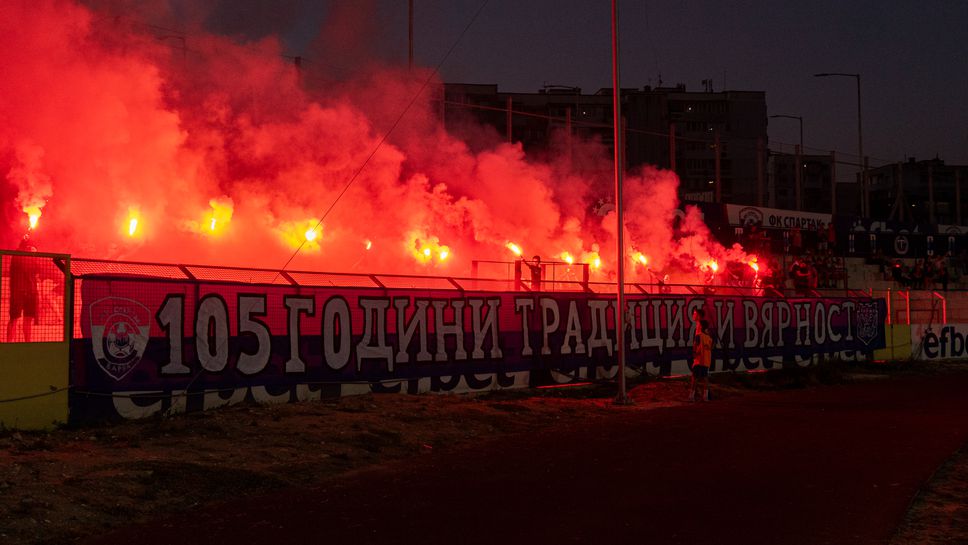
<point>898,346</point>
<point>27,369</point>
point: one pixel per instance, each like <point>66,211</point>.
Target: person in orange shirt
<point>702,350</point>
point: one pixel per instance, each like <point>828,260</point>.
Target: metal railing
<point>82,268</point>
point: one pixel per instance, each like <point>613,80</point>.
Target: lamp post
<point>864,205</point>
<point>798,118</point>
<point>797,162</point>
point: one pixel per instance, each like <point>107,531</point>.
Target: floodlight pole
<point>864,197</point>
<point>622,398</point>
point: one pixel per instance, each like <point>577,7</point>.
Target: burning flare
<point>133,214</point>
<point>515,249</point>
<point>424,248</point>
<point>33,215</point>
<point>221,214</point>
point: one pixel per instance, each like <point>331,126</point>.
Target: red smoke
<point>138,143</point>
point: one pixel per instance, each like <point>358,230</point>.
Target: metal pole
<point>621,398</point>
<point>759,171</point>
<point>411,35</point>
<point>800,119</point>
<point>833,183</point>
<point>509,121</point>
<point>931,194</point>
<point>718,166</point>
<point>571,151</point>
<point>866,207</point>
<point>672,147</point>
<point>798,180</point>
<point>864,202</point>
<point>958,197</point>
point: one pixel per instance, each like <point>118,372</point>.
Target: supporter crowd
<point>807,260</point>
<point>931,273</point>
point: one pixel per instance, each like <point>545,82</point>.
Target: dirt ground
<point>939,514</point>
<point>73,483</point>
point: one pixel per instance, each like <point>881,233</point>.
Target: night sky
<point>912,56</point>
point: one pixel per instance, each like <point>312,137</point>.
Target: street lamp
<point>798,118</point>
<point>798,165</point>
<point>864,205</point>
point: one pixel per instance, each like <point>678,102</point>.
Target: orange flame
<point>220,215</point>
<point>514,248</point>
<point>306,234</point>
<point>640,257</point>
<point>132,226</point>
<point>33,215</point>
<point>567,258</point>
<point>427,249</point>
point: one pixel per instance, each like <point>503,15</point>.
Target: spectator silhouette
<point>23,292</point>
<point>535,267</point>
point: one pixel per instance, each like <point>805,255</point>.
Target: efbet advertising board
<point>148,346</point>
<point>939,342</point>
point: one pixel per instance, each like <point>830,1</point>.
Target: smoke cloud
<point>133,141</point>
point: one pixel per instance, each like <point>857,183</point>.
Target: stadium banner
<point>865,237</point>
<point>939,342</point>
<point>774,218</point>
<point>144,347</point>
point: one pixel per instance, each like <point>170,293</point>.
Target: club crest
<point>119,333</point>
<point>867,322</point>
<point>901,245</point>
